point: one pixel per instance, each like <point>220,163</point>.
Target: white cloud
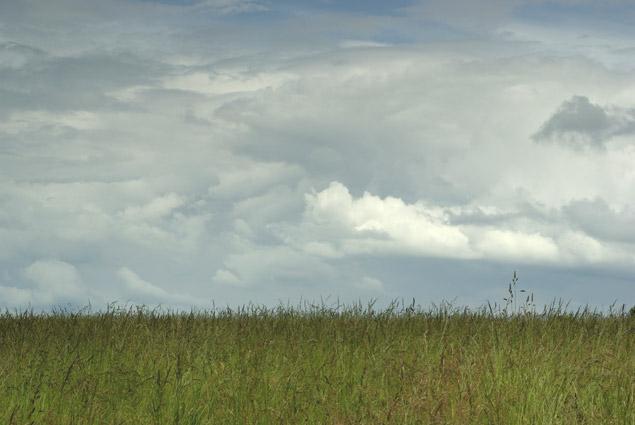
<point>414,228</point>
<point>337,225</point>
<point>55,282</point>
<point>506,244</point>
<point>370,284</point>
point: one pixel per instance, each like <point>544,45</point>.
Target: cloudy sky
<point>180,152</point>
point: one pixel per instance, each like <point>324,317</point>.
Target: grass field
<point>317,365</point>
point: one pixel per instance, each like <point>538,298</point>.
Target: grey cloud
<point>580,123</point>
<point>16,55</point>
<point>366,149</point>
<point>600,220</point>
<point>278,204</point>
<point>211,206</point>
<point>159,152</point>
<point>71,83</point>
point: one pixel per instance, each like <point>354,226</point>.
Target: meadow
<point>318,365</point>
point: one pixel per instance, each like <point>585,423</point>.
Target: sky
<point>199,153</point>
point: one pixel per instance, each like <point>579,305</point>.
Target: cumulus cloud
<point>338,225</point>
<point>370,284</point>
<point>47,283</point>
<point>580,123</point>
<point>57,276</point>
<point>386,224</point>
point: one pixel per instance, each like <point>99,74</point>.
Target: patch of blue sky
<point>553,13</point>
<point>263,17</point>
<point>419,32</point>
<point>366,7</point>
<point>170,2</point>
<point>290,8</point>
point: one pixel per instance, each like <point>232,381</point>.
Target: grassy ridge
<point>317,366</point>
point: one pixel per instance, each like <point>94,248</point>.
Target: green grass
<point>317,366</point>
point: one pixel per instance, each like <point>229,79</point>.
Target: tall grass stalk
<point>318,365</point>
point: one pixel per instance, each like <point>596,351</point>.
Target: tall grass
<point>318,365</point>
